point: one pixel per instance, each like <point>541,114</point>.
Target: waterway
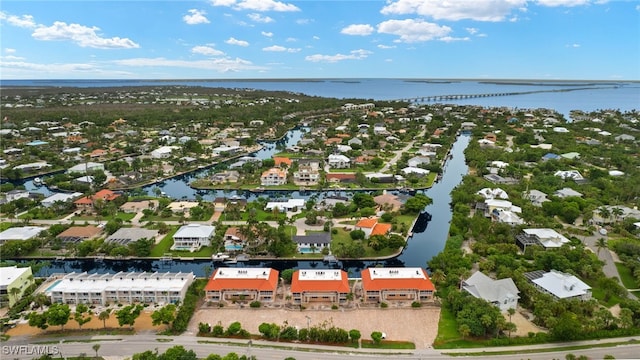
<point>421,247</point>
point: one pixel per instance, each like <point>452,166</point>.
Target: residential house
<point>371,226</point>
<point>308,173</point>
<point>417,161</point>
<point>31,167</point>
<point>354,141</point>
<point>550,156</point>
<point>284,206</point>
<point>496,193</point>
<point>569,175</point>
<point>338,161</point>
<point>571,155</point>
<point>14,277</point>
<point>396,284</point>
<point>247,284</point>
<point>226,177</point>
<point>324,285</point>
<point>625,137</point>
<point>121,288</point>
<point>502,293</point>
<point>85,168</point>
<point>615,213</point>
<point>163,152</point>
<point>567,192</point>
<point>192,237</point>
<point>226,150</point>
<point>560,285</point>
<point>536,197</point>
<point>508,217</point>
<point>312,243</point>
<point>86,203</point>
<point>282,162</point>
<point>341,177</point>
<point>497,179</point>
<point>76,234</point>
<point>547,238</point>
<point>59,197</point>
<point>344,148</point>
<point>273,177</point>
<point>13,195</point>
<point>21,233</point>
<point>388,201</point>
<point>126,235</point>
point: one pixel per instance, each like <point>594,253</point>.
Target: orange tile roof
<point>379,284</point>
<point>381,229</point>
<point>282,160</point>
<point>333,140</point>
<point>221,284</point>
<point>341,176</point>
<point>83,201</point>
<point>106,194</point>
<point>85,232</point>
<point>367,223</point>
<point>299,286</point>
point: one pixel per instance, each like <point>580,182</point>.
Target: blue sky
<point>233,39</point>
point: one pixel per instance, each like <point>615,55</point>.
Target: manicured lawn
<point>384,344</point>
<point>164,245</point>
<point>447,327</point>
<point>627,277</point>
<point>342,238</point>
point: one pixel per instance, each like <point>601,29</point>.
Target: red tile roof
<point>341,176</point>
<point>390,283</point>
<point>282,160</point>
<point>367,223</point>
<point>340,285</point>
<point>381,229</point>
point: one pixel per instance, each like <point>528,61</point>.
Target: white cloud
<point>206,50</point>
<point>384,47</point>
<point>304,21</point>
<point>291,39</point>
<point>358,29</point>
<point>568,3</point>
<point>573,45</point>
<point>259,18</point>
<point>256,5</point>
<point>234,41</point>
<point>354,55</point>
<point>452,39</point>
<point>11,58</point>
<point>220,65</point>
<point>413,30</point>
<point>480,10</point>
<point>315,37</point>
<point>278,48</point>
<point>9,50</point>
<point>24,21</point>
<point>81,35</point>
<point>267,34</point>
<point>472,31</point>
<point>195,17</point>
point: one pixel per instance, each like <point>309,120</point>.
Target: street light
<point>308,324</point>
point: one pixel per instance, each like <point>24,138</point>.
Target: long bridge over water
<point>430,98</point>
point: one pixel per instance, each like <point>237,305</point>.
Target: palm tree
<point>14,291</point>
<point>104,316</point>
<point>617,212</point>
<point>601,244</point>
<point>95,348</point>
<point>438,276</point>
<point>604,213</point>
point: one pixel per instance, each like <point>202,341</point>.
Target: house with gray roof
<point>567,192</point>
<point>502,293</point>
<point>124,236</point>
<point>560,285</point>
<point>536,197</point>
<point>312,242</point>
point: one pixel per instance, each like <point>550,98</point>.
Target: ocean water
<point>562,96</point>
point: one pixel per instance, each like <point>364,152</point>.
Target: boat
<point>242,257</point>
<point>219,257</point>
<point>37,181</point>
<point>258,189</point>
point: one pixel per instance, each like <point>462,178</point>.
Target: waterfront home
<point>502,293</point>
<point>31,167</point>
<point>338,161</point>
<point>416,161</point>
<point>234,234</point>
<point>227,176</point>
<point>59,197</point>
<point>245,284</point>
<point>371,226</point>
<point>192,237</point>
<point>415,171</point>
<point>14,277</point>
<point>85,168</point>
<point>124,236</point>
<point>273,177</point>
<point>13,195</point>
<point>282,162</point>
<point>125,288</point>
<point>388,201</point>
<point>547,238</point>
<point>322,285</point>
<point>560,285</point>
<point>76,234</point>
<point>86,203</point>
<point>396,284</point>
<point>307,175</point>
<point>313,242</point>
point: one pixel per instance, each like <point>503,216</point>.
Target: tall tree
<point>79,316</point>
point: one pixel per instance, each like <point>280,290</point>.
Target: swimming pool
<point>233,247</point>
<point>55,283</point>
<point>306,250</point>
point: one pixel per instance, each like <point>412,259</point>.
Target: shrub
<point>334,307</point>
<point>204,328</point>
<point>255,304</point>
<point>416,304</point>
<point>384,305</point>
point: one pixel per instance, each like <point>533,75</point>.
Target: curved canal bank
<point>421,247</point>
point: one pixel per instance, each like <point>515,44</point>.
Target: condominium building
<point>13,277</point>
<point>325,285</point>
<point>251,284</point>
<point>396,284</point>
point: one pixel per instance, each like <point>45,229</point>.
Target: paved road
<point>398,153</point>
<point>119,347</point>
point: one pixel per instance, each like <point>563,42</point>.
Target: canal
<point>421,247</point>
